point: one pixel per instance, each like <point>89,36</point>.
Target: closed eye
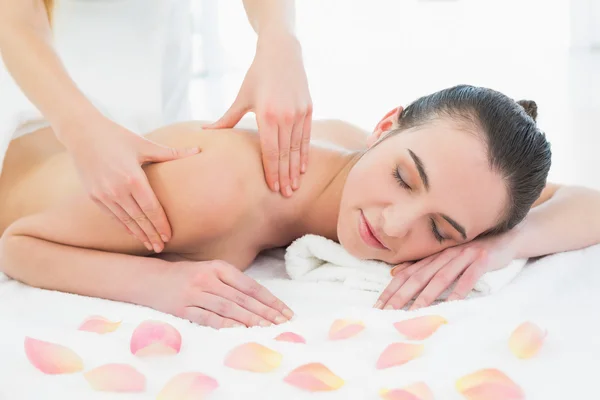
<point>436,232</point>
<point>398,177</point>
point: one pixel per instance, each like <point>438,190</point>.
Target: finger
<point>231,117</point>
<point>443,279</point>
<point>469,278</point>
<point>129,222</point>
<point>284,134</point>
<point>157,153</point>
<point>305,146</point>
<point>395,284</point>
<point>295,148</point>
<point>228,309</point>
<point>208,318</point>
<point>151,208</point>
<point>245,284</point>
<point>132,208</point>
<point>269,143</point>
<point>400,267</point>
<point>248,303</point>
<point>420,278</point>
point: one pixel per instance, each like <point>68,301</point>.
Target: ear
<point>387,123</point>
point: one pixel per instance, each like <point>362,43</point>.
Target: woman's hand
<point>430,277</point>
<point>276,90</point>
<point>216,294</point>
<point>108,158</point>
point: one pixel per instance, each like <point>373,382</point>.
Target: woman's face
<point>419,192</point>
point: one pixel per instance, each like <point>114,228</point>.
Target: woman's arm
<point>564,218</point>
<point>76,248</point>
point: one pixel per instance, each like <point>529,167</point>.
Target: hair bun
<point>530,108</point>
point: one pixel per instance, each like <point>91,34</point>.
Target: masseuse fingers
<point>469,278</point>
<point>129,222</point>
<point>305,146</point>
<point>295,147</point>
<point>285,133</point>
<point>208,318</point>
<point>269,143</point>
<point>248,303</point>
<point>134,211</point>
<point>228,309</point>
<point>443,279</point>
<point>242,282</point>
<point>152,209</point>
<point>419,279</point>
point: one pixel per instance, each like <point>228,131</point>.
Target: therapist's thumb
<point>229,119</point>
<point>158,153</point>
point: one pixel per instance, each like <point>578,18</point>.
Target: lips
<point>368,235</point>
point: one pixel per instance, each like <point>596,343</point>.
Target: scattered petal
<point>253,357</point>
<point>489,384</point>
<point>343,329</point>
<point>155,338</point>
<point>290,337</point>
<point>314,377</point>
<point>420,328</point>
<point>188,386</point>
<point>416,391</point>
<point>52,358</point>
<point>398,354</point>
<point>116,378</point>
<point>526,340</point>
<point>99,325</point>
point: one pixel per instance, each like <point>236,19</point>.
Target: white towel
<point>318,259</point>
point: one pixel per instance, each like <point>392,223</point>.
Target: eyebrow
<point>425,180</point>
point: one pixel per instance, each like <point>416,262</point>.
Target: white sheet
<point>560,293</point>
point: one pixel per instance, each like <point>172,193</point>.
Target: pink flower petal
<point>416,391</point>
<point>526,340</point>
<point>420,328</point>
<point>188,386</point>
<point>290,337</point>
<point>314,377</point>
<point>52,358</point>
<point>489,384</point>
<point>99,325</point>
<point>344,329</point>
<point>116,378</point>
<point>253,357</point>
<point>152,338</point>
<point>398,354</point>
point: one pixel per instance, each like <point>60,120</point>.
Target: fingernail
<point>303,169</point>
<point>378,304</point>
<point>295,184</point>
<point>156,248</point>
<point>194,150</point>
<point>238,326</point>
<point>288,191</point>
<point>288,313</point>
<point>276,186</point>
<point>265,323</point>
<point>164,238</point>
<point>148,246</point>
<point>280,320</point>
<point>389,307</point>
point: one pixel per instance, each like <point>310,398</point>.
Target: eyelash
<point>434,229</point>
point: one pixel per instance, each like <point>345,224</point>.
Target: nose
<point>399,220</point>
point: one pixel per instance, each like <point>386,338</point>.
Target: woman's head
<point>455,165</point>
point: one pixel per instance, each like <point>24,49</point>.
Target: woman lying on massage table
<point>456,180</point>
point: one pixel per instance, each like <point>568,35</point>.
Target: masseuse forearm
<point>29,55</point>
<point>53,266</point>
<point>271,15</point>
<point>570,220</point>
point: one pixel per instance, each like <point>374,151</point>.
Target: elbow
<point>11,251</point>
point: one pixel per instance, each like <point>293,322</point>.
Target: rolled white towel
<point>318,259</point>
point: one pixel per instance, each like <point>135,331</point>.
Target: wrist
<point>71,129</point>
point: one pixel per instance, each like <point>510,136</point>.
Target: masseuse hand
<point>216,294</point>
<point>428,278</point>
<point>108,158</point>
<point>276,90</point>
